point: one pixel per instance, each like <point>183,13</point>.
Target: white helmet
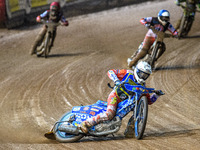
<point>163,16</point>
<point>142,72</point>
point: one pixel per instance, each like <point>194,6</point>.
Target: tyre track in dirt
<point>36,92</point>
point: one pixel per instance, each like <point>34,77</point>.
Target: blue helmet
<point>163,16</point>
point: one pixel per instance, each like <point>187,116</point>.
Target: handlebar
<point>184,7</point>
<point>137,88</point>
<point>50,23</point>
<point>161,33</point>
<point>112,87</point>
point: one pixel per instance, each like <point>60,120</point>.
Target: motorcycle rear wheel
<point>63,136</point>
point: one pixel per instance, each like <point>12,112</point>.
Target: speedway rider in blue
<point>136,77</point>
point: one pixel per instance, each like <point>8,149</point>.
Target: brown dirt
<point>35,92</point>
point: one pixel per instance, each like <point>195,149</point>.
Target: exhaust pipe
<point>69,129</point>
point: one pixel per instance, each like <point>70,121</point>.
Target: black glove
<point>159,92</point>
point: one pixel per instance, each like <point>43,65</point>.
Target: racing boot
<point>84,126</point>
<point>134,54</point>
<point>129,60</point>
<point>139,56</point>
<point>129,132</point>
<point>33,49</point>
<point>50,135</point>
<point>142,51</point>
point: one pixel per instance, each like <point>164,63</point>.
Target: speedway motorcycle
<point>67,129</point>
<point>158,46</point>
<point>44,48</point>
<point>187,20</point>
<point>156,49</point>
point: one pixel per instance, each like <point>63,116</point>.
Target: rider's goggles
<point>164,18</point>
<point>142,75</point>
<point>54,9</point>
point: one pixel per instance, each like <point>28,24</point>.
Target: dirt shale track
<point>35,92</point>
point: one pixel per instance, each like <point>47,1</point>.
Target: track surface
<point>36,92</point>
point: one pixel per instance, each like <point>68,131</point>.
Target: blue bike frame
<point>82,113</point>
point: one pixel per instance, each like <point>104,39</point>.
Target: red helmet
<point>55,6</point>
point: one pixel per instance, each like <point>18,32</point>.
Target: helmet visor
<point>53,11</point>
<point>142,75</point>
<point>164,18</point>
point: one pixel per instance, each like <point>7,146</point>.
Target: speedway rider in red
<point>136,77</point>
<point>160,23</point>
<point>55,14</point>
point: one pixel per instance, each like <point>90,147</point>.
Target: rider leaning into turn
<point>55,14</point>
<point>118,94</point>
<point>191,5</point>
<point>160,23</point>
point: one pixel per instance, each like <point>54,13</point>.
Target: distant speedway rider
<point>160,23</point>
<point>190,6</point>
<point>55,14</point>
<point>118,94</point>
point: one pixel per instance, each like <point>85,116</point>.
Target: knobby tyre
<point>46,46</point>
<point>141,117</point>
<point>63,136</point>
<point>181,31</point>
<point>188,25</point>
<point>154,54</point>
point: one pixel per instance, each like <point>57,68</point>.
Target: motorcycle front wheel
<point>46,45</point>
<point>154,54</point>
<point>141,117</point>
<point>189,24</point>
<point>186,24</point>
